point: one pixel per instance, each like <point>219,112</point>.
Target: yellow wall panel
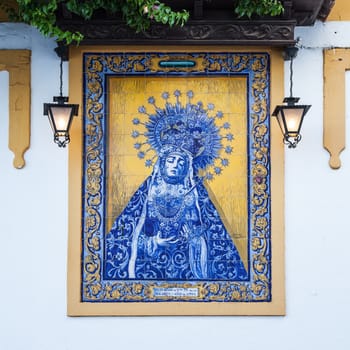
<point>340,11</point>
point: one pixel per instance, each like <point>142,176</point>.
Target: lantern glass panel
<point>293,120</point>
<point>61,117</point>
<point>280,120</point>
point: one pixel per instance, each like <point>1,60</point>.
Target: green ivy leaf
<point>138,14</point>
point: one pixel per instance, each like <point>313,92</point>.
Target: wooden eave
<point>212,22</point>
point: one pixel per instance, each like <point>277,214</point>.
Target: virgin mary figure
<point>170,228</point>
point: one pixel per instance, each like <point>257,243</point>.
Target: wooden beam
<point>336,62</point>
<point>17,63</point>
<point>6,4</point>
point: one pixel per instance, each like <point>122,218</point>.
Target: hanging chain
<point>291,77</point>
<point>61,80</point>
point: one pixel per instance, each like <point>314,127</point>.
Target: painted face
<point>175,164</point>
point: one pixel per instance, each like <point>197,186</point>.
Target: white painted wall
<point>33,234</point>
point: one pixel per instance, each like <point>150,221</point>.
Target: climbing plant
<point>137,14</point>
<point>258,7</point>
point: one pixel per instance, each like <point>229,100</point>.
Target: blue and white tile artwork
<point>169,242</point>
<point>170,229</point>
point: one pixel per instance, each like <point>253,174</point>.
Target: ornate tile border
<point>97,68</point>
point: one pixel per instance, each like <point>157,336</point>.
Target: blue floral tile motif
<point>169,243</point>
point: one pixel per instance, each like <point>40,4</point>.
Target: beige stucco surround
<point>75,306</point>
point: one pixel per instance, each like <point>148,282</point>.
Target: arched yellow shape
<point>336,62</point>
<point>17,63</point>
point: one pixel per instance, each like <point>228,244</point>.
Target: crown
<point>187,126</point>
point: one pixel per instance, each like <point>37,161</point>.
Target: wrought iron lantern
<point>60,115</point>
<point>290,116</point>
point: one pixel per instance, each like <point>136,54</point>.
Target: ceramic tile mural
<point>176,178</point>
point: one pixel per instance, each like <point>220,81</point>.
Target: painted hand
<point>164,241</point>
